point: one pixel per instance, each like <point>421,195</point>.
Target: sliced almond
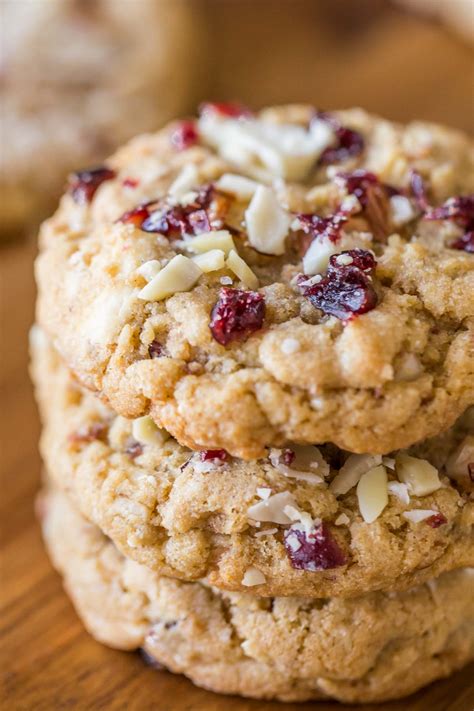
<point>267,222</point>
<point>417,515</point>
<point>351,471</point>
<point>420,476</point>
<point>400,491</point>
<point>149,269</point>
<point>272,508</point>
<point>210,261</point>
<point>145,431</point>
<point>185,181</point>
<point>253,576</point>
<point>241,269</point>
<point>402,210</point>
<point>460,465</point>
<point>372,493</point>
<point>220,239</point>
<point>180,274</point>
<point>233,184</point>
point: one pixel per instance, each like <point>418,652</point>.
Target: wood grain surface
<point>47,661</point>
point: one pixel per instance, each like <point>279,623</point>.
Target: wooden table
<point>47,660</point>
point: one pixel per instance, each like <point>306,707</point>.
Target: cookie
<point>78,79</point>
<point>371,648</point>
<point>291,277</point>
<point>303,521</point>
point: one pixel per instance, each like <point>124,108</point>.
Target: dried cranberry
<point>136,217</point>
<point>208,455</point>
<point>227,109</point>
<point>470,471</point>
<point>185,135</point>
<point>359,183</point>
<point>418,188</point>
<point>155,349</point>
<point>180,220</point>
<point>130,183</point>
<point>349,143</point>
<point>134,449</point>
<point>436,520</point>
<point>96,431</point>
<point>287,457</point>
<point>346,291</point>
<point>236,315</point>
<point>83,184</point>
<point>313,551</point>
<point>465,243</point>
<point>323,227</point>
<point>458,209</point>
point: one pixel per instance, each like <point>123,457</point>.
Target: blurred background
<point>79,77</point>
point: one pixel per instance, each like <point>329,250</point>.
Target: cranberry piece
<point>470,471</point>
<point>130,183</point>
<point>313,551</point>
<point>96,431</point>
<point>199,222</point>
<point>185,135</point>
<point>83,184</point>
<point>287,457</point>
<point>136,217</point>
<point>155,349</point>
<point>458,209</point>
<point>134,449</point>
<point>236,315</point>
<point>323,227</point>
<point>418,188</point>
<point>180,220</point>
<point>465,243</point>
<point>226,109</point>
<point>436,520</point>
<point>349,143</point>
<point>210,455</point>
<point>346,291</point>
<point>359,183</point>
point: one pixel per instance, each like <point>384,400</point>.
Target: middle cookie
<point>304,521</point>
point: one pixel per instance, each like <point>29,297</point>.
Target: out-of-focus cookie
<point>303,521</point>
<point>78,78</point>
<point>371,648</point>
<point>255,280</point>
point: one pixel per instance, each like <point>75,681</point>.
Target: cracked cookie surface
<point>147,290</point>
<point>308,521</point>
<point>371,648</point>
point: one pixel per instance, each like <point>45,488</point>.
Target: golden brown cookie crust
<point>371,648</point>
<point>394,375</point>
<point>165,508</point>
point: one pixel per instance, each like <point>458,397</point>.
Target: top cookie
<point>251,280</point>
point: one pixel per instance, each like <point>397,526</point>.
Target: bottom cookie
<point>372,648</point>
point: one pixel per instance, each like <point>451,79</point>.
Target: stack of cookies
<point>254,362</point>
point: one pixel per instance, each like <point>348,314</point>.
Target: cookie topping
<point>419,475</point>
<point>83,184</point>
<point>402,210</point>
<point>180,274</point>
<point>457,209</point>
<point>220,239</point>
<point>210,261</point>
<point>345,291</point>
<point>299,462</point>
<point>236,315</point>
<point>272,508</point>
<point>418,188</point>
<point>313,551</point>
<point>437,520</point>
<point>465,243</point>
<point>83,435</point>
<point>400,491</point>
<point>225,109</point>
<point>237,185</point>
<point>348,143</point>
<point>351,471</point>
<point>252,577</point>
<point>242,270</point>
<point>185,135</point>
<point>267,223</point>
<point>418,515</point>
<point>155,349</point>
<point>372,493</point>
<point>214,455</point>
<point>137,216</point>
<point>145,431</point>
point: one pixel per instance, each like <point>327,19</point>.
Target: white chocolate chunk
<point>351,471</point>
<point>272,508</point>
<point>417,515</point>
<point>266,532</point>
<point>402,210</point>
<point>233,184</point>
<point>284,150</point>
<point>400,491</point>
<point>210,261</point>
<point>180,274</point>
<point>263,492</point>
<point>267,222</point>
<point>420,476</point>
<point>372,493</point>
<point>241,269</point>
<point>253,576</point>
<point>220,239</point>
<point>290,345</point>
<point>145,431</point>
